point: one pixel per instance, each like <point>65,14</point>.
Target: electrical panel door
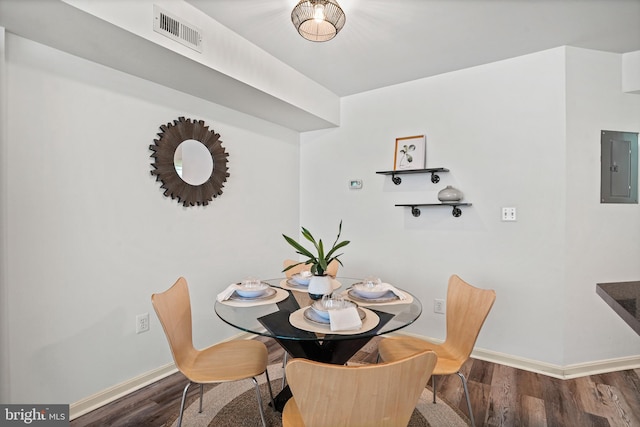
<point>619,167</point>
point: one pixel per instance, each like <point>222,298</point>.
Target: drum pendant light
<point>318,20</point>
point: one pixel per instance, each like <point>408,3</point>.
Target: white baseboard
<point>103,397</point>
<point>556,371</point>
<point>551,370</point>
<point>115,392</point>
<point>562,372</point>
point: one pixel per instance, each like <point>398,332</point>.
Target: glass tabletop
<point>272,319</point>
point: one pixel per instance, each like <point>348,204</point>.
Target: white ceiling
<point>386,42</point>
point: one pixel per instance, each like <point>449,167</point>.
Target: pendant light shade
<point>318,20</point>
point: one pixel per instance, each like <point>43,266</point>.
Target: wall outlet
<point>438,306</point>
<point>142,323</point>
<point>508,214</point>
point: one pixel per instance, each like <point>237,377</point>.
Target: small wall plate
<point>355,184</point>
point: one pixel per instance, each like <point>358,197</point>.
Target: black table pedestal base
<point>282,398</point>
<point>331,349</point>
<point>336,352</point>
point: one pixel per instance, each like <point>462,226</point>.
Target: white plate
<point>368,291</point>
<point>301,280</point>
<point>252,291</point>
<point>266,294</point>
<point>323,312</point>
<point>386,297</point>
<point>313,316</point>
<point>292,283</point>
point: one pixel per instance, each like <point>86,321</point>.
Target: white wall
<point>501,130</point>
<point>4,304</point>
<point>90,237</point>
<point>631,72</point>
<point>603,240</point>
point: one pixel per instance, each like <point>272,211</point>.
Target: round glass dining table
<point>274,320</point>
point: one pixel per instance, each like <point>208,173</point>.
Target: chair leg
<point>433,382</point>
<point>255,382</point>
<point>273,402</point>
<point>466,395</point>
<point>184,398</point>
<point>201,394</point>
<point>284,374</point>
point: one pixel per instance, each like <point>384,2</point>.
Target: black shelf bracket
<point>456,211</point>
<point>397,180</point>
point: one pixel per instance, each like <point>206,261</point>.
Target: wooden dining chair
<point>328,395</point>
<point>332,268</point>
<point>224,362</point>
<point>467,309</point>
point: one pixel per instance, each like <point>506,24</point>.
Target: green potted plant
<point>319,259</point>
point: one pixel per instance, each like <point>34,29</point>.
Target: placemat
<point>363,301</point>
<point>297,319</point>
<point>280,295</point>
<point>284,285</point>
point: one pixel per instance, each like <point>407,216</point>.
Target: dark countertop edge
<point>620,310</point>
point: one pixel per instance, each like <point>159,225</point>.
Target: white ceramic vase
<point>319,286</point>
<point>450,194</point>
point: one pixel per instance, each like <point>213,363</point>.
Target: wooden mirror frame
<point>164,169</point>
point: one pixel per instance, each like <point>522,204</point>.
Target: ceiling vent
<point>176,29</point>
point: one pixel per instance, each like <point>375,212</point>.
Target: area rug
<point>234,405</point>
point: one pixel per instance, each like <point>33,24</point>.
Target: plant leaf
<point>301,249</point>
<point>320,261</point>
<point>307,235</point>
<point>293,265</point>
<point>339,232</point>
<point>336,247</point>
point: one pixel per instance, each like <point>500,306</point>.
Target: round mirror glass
<point>193,162</point>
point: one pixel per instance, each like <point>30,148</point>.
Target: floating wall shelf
<point>456,207</point>
<point>397,180</point>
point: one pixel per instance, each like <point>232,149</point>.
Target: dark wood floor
<point>500,396</point>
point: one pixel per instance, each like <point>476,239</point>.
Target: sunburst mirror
<point>190,161</point>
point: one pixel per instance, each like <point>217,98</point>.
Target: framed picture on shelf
<point>410,153</point>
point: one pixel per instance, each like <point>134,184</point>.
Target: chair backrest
<point>332,268</point>
<point>173,308</point>
<point>295,270</point>
<point>383,394</point>
<point>467,309</point>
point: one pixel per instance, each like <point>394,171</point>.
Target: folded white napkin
<point>345,319</point>
<point>226,294</point>
<point>389,287</point>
